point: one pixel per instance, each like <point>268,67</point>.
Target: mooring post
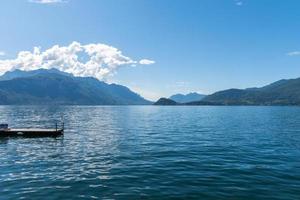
<point>56,126</point>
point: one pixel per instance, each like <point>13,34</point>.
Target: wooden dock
<point>31,132</point>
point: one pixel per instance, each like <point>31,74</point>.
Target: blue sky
<point>197,45</point>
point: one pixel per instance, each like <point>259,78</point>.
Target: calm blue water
<point>147,152</point>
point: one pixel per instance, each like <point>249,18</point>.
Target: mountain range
<point>282,92</point>
<point>41,87</point>
<point>55,87</point>
<point>181,98</point>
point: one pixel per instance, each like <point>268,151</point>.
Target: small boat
<point>5,131</point>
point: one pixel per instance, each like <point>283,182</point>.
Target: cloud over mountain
<point>96,60</point>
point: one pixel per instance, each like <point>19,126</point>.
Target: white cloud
<point>146,62</point>
<point>100,60</point>
<point>47,1</point>
<point>179,85</point>
<point>2,53</point>
<point>294,53</point>
<point>238,3</point>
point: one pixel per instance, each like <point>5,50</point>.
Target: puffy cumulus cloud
<point>96,60</point>
<point>47,1</point>
<point>146,62</point>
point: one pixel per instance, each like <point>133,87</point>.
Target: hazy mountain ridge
<point>9,75</point>
<point>181,98</point>
<point>282,92</point>
<point>56,87</point>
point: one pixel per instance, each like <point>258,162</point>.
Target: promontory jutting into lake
<point>127,100</point>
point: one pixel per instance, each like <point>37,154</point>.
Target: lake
<point>149,152</point>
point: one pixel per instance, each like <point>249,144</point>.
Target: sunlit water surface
<point>148,152</point>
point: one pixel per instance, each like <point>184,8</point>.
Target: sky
<point>156,47</point>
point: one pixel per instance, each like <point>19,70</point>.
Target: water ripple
<point>147,152</point>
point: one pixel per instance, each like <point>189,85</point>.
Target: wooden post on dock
<point>63,123</point>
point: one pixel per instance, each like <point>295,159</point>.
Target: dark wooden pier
<point>30,132</point>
